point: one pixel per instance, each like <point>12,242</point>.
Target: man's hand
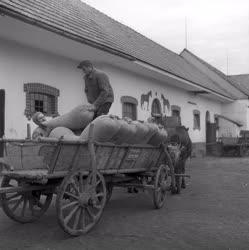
<point>91,107</point>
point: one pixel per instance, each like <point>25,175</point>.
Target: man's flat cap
<point>85,63</point>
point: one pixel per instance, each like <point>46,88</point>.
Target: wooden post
<point>92,153</point>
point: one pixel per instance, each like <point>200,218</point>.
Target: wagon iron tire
<point>24,207</point>
<point>160,187</point>
<point>79,203</point>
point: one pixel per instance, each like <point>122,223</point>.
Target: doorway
<point>2,119</point>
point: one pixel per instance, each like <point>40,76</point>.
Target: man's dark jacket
<point>98,89</point>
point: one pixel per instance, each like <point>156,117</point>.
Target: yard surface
<point>212,213</point>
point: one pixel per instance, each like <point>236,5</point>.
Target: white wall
<point>125,83</point>
<point>237,111</point>
<point>19,65</point>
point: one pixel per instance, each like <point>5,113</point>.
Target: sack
<point>143,133</point>
<point>77,118</point>
<point>62,132</point>
<point>160,136</point>
<point>105,128</point>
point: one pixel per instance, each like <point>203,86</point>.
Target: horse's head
<point>150,93</point>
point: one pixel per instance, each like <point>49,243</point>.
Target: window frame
<point>41,92</point>
<point>196,123</point>
<point>156,102</point>
<point>129,100</point>
<point>176,108</point>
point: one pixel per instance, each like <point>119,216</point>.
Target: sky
<point>215,30</point>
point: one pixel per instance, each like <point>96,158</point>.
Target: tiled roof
<point>242,81</point>
<point>228,85</point>
<point>80,20</point>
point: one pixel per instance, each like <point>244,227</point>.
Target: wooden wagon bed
<point>82,175</point>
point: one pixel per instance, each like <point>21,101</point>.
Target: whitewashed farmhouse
<point>42,42</point>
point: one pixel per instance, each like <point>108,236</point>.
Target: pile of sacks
<point>107,128</point>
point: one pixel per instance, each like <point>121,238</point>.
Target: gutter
<point>32,21</point>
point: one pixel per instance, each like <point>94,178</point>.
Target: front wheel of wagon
<point>160,186</point>
<point>80,202</point>
<point>24,207</point>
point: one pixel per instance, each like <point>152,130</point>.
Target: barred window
<point>42,98</point>
<point>197,119</point>
<point>129,107</point>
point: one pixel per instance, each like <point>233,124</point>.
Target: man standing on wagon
<point>98,89</point>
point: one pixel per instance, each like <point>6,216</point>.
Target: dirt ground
<point>212,213</point>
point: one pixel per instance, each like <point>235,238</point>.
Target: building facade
<point>38,70</point>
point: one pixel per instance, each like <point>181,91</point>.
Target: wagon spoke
<point>92,215</point>
<point>98,182</point>
<point>75,187</point>
<point>99,195</point>
<point>97,206</point>
<point>70,215</point>
<point>81,182</point>
<point>13,196</point>
<point>71,195</point>
<point>17,204</point>
<point>69,205</point>
<point>24,206</point>
<point>76,219</point>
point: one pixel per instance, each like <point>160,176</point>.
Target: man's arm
<point>104,87</point>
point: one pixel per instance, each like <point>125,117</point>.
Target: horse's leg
<point>183,185</point>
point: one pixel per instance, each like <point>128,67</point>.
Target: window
<point>197,120</point>
<point>129,107</point>
<point>156,108</point>
<point>42,98</point>
<point>175,110</point>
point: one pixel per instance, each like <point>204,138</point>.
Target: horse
<point>180,136</point>
<point>146,98</point>
<point>165,103</point>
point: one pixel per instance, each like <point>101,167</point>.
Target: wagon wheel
<point>24,207</point>
<point>79,203</point>
<point>160,186</point>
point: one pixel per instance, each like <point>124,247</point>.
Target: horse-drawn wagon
<point>82,174</point>
<point>235,146</point>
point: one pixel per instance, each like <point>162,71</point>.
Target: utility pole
<point>227,63</point>
<point>186,33</point>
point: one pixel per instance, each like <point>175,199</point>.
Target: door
<point>2,118</point>
<point>211,138</point>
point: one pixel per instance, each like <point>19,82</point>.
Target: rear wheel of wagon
<point>160,186</point>
<point>80,202</point>
<point>24,207</point>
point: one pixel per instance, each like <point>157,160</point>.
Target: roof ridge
<point>219,72</point>
<point>215,83</point>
